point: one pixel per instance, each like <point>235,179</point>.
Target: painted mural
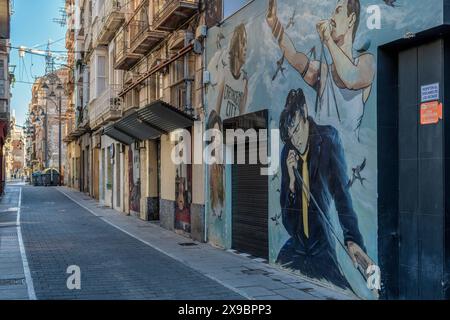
<point>134,180</point>
<point>312,64</point>
<point>183,196</point>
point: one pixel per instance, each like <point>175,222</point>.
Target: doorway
<point>411,160</point>
<point>249,193</point>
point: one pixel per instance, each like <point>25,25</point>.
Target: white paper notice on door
<point>430,92</point>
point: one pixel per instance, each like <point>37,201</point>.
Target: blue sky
<point>31,25</point>
<point>231,6</point>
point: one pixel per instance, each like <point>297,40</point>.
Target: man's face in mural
<point>299,132</point>
<point>342,23</point>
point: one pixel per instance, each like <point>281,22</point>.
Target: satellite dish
<point>198,48</point>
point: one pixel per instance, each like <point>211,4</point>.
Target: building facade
<point>135,57</point>
<point>15,152</point>
<point>47,123</point>
<point>5,83</point>
<point>327,81</point>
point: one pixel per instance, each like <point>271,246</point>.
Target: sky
<point>231,6</point>
<point>32,25</point>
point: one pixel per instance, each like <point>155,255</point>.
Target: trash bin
<point>36,179</point>
<point>50,177</point>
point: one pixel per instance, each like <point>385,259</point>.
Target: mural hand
<point>324,29</point>
<point>292,164</point>
<point>359,257</point>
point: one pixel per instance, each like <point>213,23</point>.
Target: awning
<point>149,123</point>
<point>117,135</point>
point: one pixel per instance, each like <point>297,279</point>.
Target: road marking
<point>26,268</point>
<point>241,293</point>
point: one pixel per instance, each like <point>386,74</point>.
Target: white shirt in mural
<point>350,105</point>
<point>233,89</point>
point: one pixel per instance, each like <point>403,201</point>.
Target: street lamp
<point>52,92</point>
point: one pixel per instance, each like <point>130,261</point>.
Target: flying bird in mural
<point>365,47</point>
<point>391,3</point>
<point>275,177</point>
<point>291,22</point>
<point>357,174</point>
<point>220,37</point>
<point>276,219</point>
<point>280,68</point>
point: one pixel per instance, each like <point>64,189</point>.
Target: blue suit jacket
<point>328,182</point>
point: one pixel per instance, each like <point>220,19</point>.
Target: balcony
<point>106,108</point>
<point>84,119</point>
<point>70,39</point>
<point>170,14</point>
<point>124,59</point>
<point>143,37</point>
<point>111,17</point>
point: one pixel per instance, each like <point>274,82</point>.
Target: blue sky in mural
<point>32,26</point>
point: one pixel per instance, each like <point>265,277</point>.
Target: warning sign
<point>430,112</point>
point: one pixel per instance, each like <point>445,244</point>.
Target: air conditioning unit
<point>206,77</point>
<point>201,32</point>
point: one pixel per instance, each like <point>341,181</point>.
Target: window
<point>101,75</point>
<point>2,79</point>
<point>177,71</point>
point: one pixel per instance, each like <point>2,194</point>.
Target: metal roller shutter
<point>250,233</point>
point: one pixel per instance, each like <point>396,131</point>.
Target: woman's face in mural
<point>238,55</point>
<point>341,23</point>
<point>299,132</point>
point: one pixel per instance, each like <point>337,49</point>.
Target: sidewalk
<point>251,279</point>
<point>12,279</point>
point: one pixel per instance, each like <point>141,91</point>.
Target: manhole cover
<point>254,272</point>
<point>188,244</point>
<point>12,282</point>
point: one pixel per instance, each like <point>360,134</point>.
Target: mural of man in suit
<point>313,176</point>
<point>347,80</point>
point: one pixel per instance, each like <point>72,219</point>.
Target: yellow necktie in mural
<point>306,196</point>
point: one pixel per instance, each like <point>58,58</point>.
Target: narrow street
<point>57,233</point>
<point>62,228</point>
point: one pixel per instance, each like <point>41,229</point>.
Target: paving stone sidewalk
<point>247,277</point>
<point>12,279</point>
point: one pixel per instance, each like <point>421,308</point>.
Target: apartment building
<point>15,151</point>
<point>159,47</point>
<point>137,77</point>
<point>45,122</point>
<point>5,82</point>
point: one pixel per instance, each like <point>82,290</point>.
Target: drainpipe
<point>206,178</point>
